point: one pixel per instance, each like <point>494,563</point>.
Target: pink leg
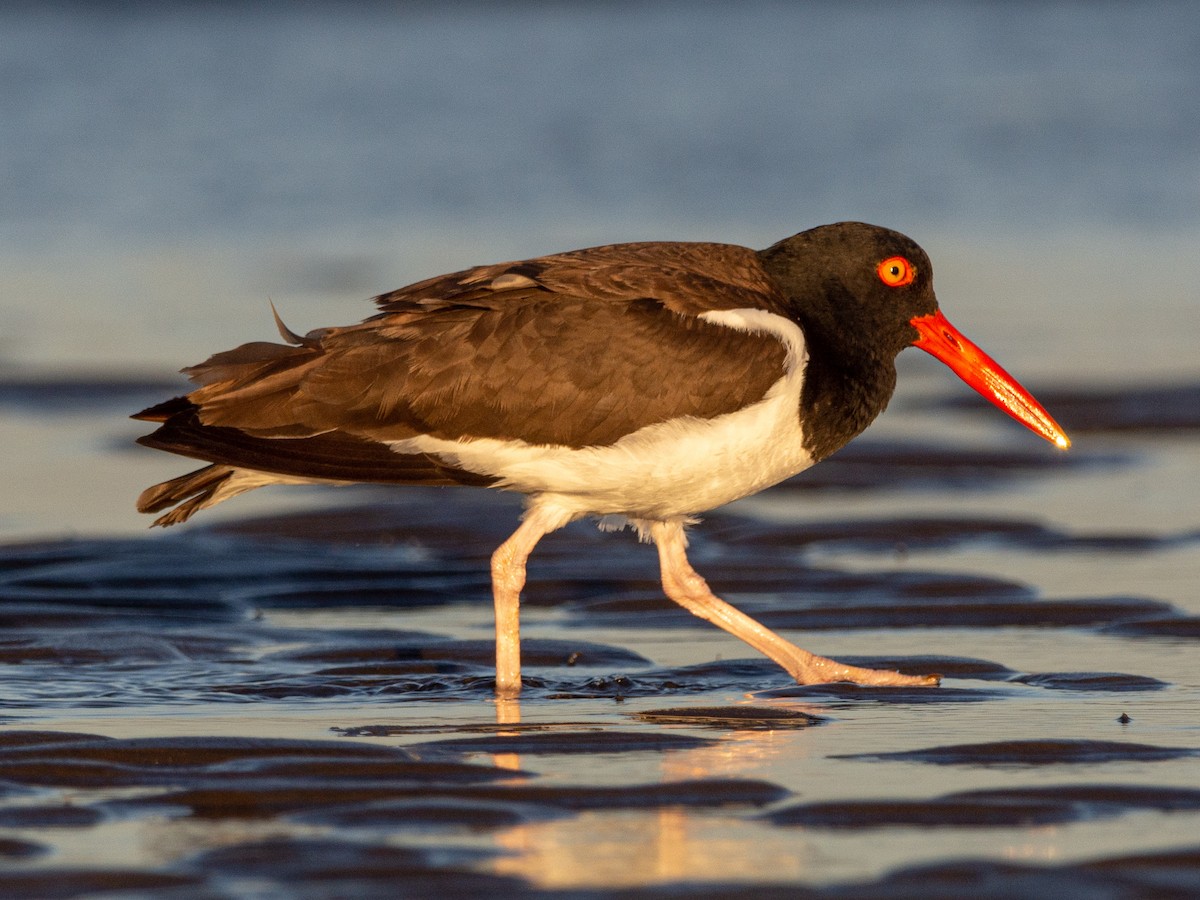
<point>690,591</point>
<point>508,578</point>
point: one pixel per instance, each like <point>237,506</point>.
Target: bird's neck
<point>842,395</point>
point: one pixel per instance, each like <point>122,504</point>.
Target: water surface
<point>292,697</point>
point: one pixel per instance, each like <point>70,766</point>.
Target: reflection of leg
<point>508,712</point>
<point>690,591</point>
<point>508,578</point>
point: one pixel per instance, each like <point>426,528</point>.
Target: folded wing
<point>576,350</point>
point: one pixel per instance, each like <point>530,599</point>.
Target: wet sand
<point>291,697</point>
<point>300,703</point>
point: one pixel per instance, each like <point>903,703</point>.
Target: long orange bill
<point>980,371</point>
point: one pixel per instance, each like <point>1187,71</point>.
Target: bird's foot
<point>824,671</point>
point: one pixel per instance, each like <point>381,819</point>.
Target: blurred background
<point>167,169</point>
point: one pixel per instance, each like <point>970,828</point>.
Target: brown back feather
<point>516,351</point>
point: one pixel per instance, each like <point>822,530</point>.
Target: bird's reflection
<point>671,842</point>
<point>508,712</point>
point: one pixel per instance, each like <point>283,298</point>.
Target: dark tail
<point>188,494</point>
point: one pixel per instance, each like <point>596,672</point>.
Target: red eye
<point>896,271</point>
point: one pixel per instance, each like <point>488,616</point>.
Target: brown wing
<point>689,278</point>
<point>576,349</point>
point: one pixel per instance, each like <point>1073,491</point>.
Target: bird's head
<point>867,293</point>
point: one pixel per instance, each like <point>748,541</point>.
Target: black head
<point>854,287</point>
<point>862,294</point>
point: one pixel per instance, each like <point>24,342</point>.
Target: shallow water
<point>292,696</point>
<point>302,700</point>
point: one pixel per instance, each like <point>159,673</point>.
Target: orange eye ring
<point>896,271</point>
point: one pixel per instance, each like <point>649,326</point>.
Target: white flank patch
<point>665,471</point>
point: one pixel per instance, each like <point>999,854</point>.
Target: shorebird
<point>639,383</point>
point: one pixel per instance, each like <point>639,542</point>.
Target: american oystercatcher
<point>638,383</point>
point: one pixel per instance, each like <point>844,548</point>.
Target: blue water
<point>164,123</point>
<point>165,169</point>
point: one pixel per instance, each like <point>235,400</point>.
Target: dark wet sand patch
<point>395,590</point>
<point>384,645</point>
<point>11,740</point>
<point>935,813</point>
<point>535,738</point>
<point>696,793</point>
<point>71,883</point>
<point>377,770</point>
<point>272,798</point>
<point>102,647</point>
<point>535,652</point>
<point>14,848</point>
<point>22,555</point>
<point>206,761</point>
<point>199,751</point>
<point>1092,681</point>
<point>490,727</point>
<point>390,672</point>
<point>1171,874</point>
<point>23,609</point>
<point>49,817</point>
<point>426,814</point>
<point>1166,875</point>
<point>558,742</point>
<point>310,796</point>
<point>257,773</point>
<point>706,793</point>
<point>1186,627</point>
<point>730,718</point>
<point>338,868</point>
<point>1172,870</point>
<point>1099,796</point>
<point>1034,753</point>
<point>1006,808</point>
<point>68,773</point>
<point>955,611</point>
